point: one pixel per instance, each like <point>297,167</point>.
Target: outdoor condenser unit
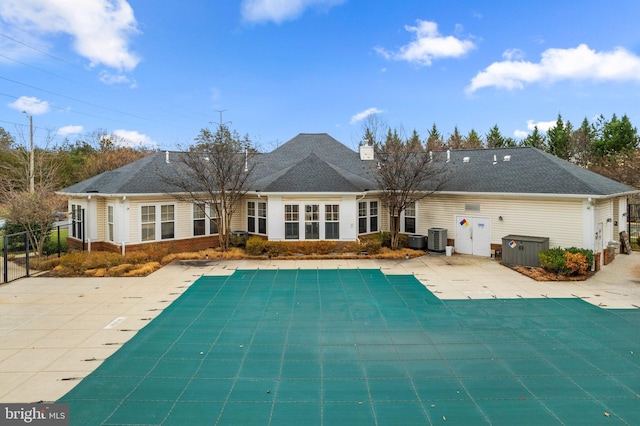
<point>437,239</point>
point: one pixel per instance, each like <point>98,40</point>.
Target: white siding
<point>560,220</point>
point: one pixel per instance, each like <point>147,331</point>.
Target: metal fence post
<point>26,245</point>
<point>5,259</point>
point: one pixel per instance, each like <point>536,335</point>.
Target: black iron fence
<point>633,213</point>
<point>18,251</point>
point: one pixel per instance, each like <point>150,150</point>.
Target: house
<point>315,188</point>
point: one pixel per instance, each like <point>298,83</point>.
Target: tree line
<point>606,146</point>
<point>52,167</point>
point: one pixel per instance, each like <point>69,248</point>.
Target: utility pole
<point>32,179</point>
<point>222,123</point>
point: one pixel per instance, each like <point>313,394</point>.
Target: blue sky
<point>155,73</point>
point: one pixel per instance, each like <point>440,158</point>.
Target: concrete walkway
<point>55,331</point>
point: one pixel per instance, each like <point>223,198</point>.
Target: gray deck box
<point>523,250</point>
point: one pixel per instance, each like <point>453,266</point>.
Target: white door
<point>473,235</point>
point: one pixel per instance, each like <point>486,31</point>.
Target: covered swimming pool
<point>356,346</point>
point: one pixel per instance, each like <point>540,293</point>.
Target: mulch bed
<point>539,274</point>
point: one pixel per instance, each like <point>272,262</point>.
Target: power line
<point>172,113</point>
<point>40,51</point>
<point>77,100</point>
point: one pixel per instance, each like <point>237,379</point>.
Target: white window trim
<point>321,219</point>
<point>257,217</point>
<point>403,216</point>
<point>158,221</point>
<point>208,216</point>
<point>111,231</point>
<point>368,216</point>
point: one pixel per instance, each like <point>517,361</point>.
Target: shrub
<point>138,256</point>
<point>51,246</point>
<point>255,246</point>
<point>572,261</point>
<point>371,246</point>
<point>553,260</point>
<point>277,248</point>
<point>385,239</point>
<point>577,263</point>
<point>585,252</point>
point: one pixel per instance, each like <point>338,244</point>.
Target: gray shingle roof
<point>527,171</point>
<point>317,163</point>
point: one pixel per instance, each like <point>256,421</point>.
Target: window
<point>148,223</point>
<point>110,223</point>
<point>367,217</point>
<point>362,217</point>
<point>291,222</point>
<point>258,216</point>
<point>200,219</point>
<point>213,220</point>
<point>373,216</point>
<point>312,222</point>
<point>410,219</point>
<point>77,219</point>
<point>332,222</point>
<point>167,218</point>
<point>157,222</point>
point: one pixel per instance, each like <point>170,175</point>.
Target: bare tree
<point>374,130</point>
<point>405,175</point>
<point>215,171</point>
<point>32,210</point>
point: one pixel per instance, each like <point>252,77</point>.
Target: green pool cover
<point>333,347</point>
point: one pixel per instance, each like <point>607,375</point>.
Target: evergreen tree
<point>435,142</point>
<point>615,136</point>
<point>414,143</point>
<point>473,140</point>
<point>495,138</point>
<point>455,140</point>
<point>581,144</point>
<point>535,139</point>
<point>559,137</point>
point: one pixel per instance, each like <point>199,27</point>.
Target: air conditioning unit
<point>437,239</point>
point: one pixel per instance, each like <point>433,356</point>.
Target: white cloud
<point>580,63</point>
<point>428,45</point>
<point>280,10</point>
<point>101,29</point>
<point>71,130</point>
<point>513,54</point>
<point>30,105</point>
<point>109,78</point>
<point>133,139</point>
<point>543,126</point>
<point>364,114</point>
<point>521,134</point>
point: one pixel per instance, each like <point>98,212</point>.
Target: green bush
<point>51,246</point>
<point>566,261</point>
<point>385,239</point>
<point>553,260</point>
<point>255,246</point>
